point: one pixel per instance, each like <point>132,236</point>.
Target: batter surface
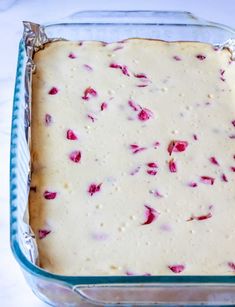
<point>133,158</point>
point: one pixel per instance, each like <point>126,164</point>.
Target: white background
<point>13,289</point>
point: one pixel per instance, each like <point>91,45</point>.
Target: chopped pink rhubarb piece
<point>192,184</point>
<point>177,146</point>
<point>88,93</point>
<point>151,215</point>
<point>48,119</point>
<point>72,55</point>
<point>200,217</point>
<point>231,265</point>
<point>152,165</point>
<point>178,268</point>
<point>136,148</point>
<point>214,161</point>
<point>87,67</point>
<point>142,85</point>
<point>71,135</point>
<point>172,166</point>
<point>49,195</point>
<point>152,172</point>
<point>232,168</point>
<point>156,144</point>
<point>94,188</point>
<point>53,91</point>
<point>75,156</point>
<point>42,233</point>
<point>103,106</point>
<point>156,193</point>
<point>91,117</point>
<point>233,122</point>
<point>140,76</point>
<point>145,114</point>
<point>134,106</point>
<point>177,58</point>
<point>222,71</point>
<point>123,68</point>
<point>200,57</point>
<point>207,180</point>
<point>224,178</point>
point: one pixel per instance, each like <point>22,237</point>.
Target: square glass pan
<point>58,290</point>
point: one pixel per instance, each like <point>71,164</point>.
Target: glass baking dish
<point>60,290</point>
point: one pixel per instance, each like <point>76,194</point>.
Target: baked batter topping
<point>133,158</point>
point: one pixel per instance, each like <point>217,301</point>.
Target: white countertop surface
<point>14,290</point>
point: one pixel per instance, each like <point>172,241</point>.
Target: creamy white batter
<point>133,166</point>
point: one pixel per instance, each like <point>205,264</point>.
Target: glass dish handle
<point>154,294</point>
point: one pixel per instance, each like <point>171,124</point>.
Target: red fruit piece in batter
<point>72,55</point>
<point>207,180</point>
<point>232,168</point>
<point>151,215</point>
<point>123,68</point>
<point>192,184</point>
<point>156,144</point>
<point>177,58</point>
<point>200,57</point>
<point>142,85</point>
<point>231,265</point>
<point>177,268</point>
<point>88,93</point>
<point>222,71</point>
<point>75,156</point>
<point>48,119</point>
<point>92,118</point>
<point>200,217</point>
<point>71,135</point>
<point>145,114</point>
<point>233,122</point>
<point>151,172</point>
<point>49,195</point>
<point>195,137</point>
<point>94,188</point>
<point>156,193</point>
<point>134,106</point>
<point>172,166</point>
<point>177,146</point>
<point>224,178</point>
<point>53,91</point>
<point>87,67</point>
<point>214,161</point>
<point>103,106</point>
<point>136,148</point>
<point>152,165</point>
<point>42,233</point>
<point>140,76</point>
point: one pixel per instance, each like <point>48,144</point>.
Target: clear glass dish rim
<point>36,271</point>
